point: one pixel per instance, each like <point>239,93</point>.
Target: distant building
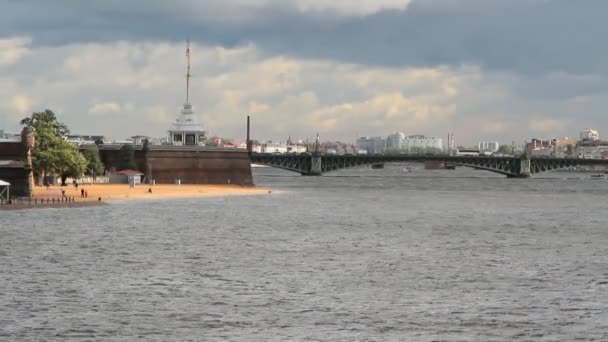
<point>467,152</point>
<point>589,135</point>
<point>337,147</point>
<point>541,148</point>
<point>414,142</point>
<point>488,146</point>
<point>565,147</point>
<point>373,145</point>
<point>215,141</point>
<point>186,128</point>
<point>399,141</point>
<point>274,147</point>
<point>139,139</point>
<point>296,148</point>
<point>80,139</point>
<point>4,137</point>
<point>395,141</point>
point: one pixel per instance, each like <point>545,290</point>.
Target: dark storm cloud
<point>525,36</point>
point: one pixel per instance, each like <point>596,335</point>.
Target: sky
<point>486,70</point>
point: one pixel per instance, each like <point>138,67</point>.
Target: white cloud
<point>350,7</point>
<point>547,125</point>
<point>120,89</point>
<point>11,49</point>
<point>21,103</point>
<point>105,108</point>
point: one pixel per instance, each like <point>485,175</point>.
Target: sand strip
<point>109,192</point>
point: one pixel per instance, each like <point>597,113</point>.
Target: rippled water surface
<point>378,255</point>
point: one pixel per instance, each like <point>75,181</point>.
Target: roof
<point>129,172</point>
<point>12,163</point>
<point>3,183</point>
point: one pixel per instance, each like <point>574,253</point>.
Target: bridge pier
<point>524,168</point>
<point>316,168</point>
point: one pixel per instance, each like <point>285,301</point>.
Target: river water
<point>357,255</point>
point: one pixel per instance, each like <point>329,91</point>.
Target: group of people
<point>83,192</point>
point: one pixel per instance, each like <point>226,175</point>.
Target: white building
<point>274,147</point>
<point>296,148</point>
<point>399,141</point>
<point>413,142</point>
<point>395,141</point>
<point>186,128</point>
<point>589,134</point>
<point>373,145</point>
<point>9,137</point>
<point>488,146</point>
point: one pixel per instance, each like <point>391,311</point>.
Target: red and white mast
<point>188,75</point>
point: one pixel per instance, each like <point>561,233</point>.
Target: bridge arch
<point>508,166</point>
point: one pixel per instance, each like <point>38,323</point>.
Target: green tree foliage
<point>569,150</point>
<point>415,150</point>
<point>71,162</point>
<point>505,149</point>
<point>126,158</point>
<point>94,165</point>
<point>53,154</point>
<point>38,119</point>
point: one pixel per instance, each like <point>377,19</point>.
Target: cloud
<point>547,125</point>
<point>11,49</point>
<point>124,88</point>
<point>21,103</point>
<point>529,37</point>
<point>105,108</point>
<point>349,7</point>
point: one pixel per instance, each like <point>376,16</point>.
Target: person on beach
<point>86,193</point>
<point>62,192</point>
<point>81,193</point>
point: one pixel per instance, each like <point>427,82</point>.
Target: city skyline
<point>336,68</point>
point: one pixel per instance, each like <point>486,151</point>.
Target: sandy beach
<point>109,192</point>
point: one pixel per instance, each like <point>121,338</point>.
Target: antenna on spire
<point>188,75</point>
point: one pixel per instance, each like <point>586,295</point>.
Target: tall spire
<point>188,72</point>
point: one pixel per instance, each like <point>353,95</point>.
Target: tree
<point>94,165</point>
<point>417,150</point>
<point>569,150</point>
<point>433,150</point>
<point>126,158</point>
<point>53,154</point>
<point>63,159</point>
<point>71,162</point>
<point>37,119</point>
<point>505,149</point>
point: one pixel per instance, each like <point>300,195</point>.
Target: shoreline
<point>101,194</point>
<point>109,192</point>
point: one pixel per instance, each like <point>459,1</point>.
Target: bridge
<point>316,164</point>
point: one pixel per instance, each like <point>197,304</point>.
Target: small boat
<point>597,176</point>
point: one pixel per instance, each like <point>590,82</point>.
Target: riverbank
<point>23,205</point>
<point>109,192</point>
<point>100,194</point>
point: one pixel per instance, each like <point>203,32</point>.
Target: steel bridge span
<point>318,164</point>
